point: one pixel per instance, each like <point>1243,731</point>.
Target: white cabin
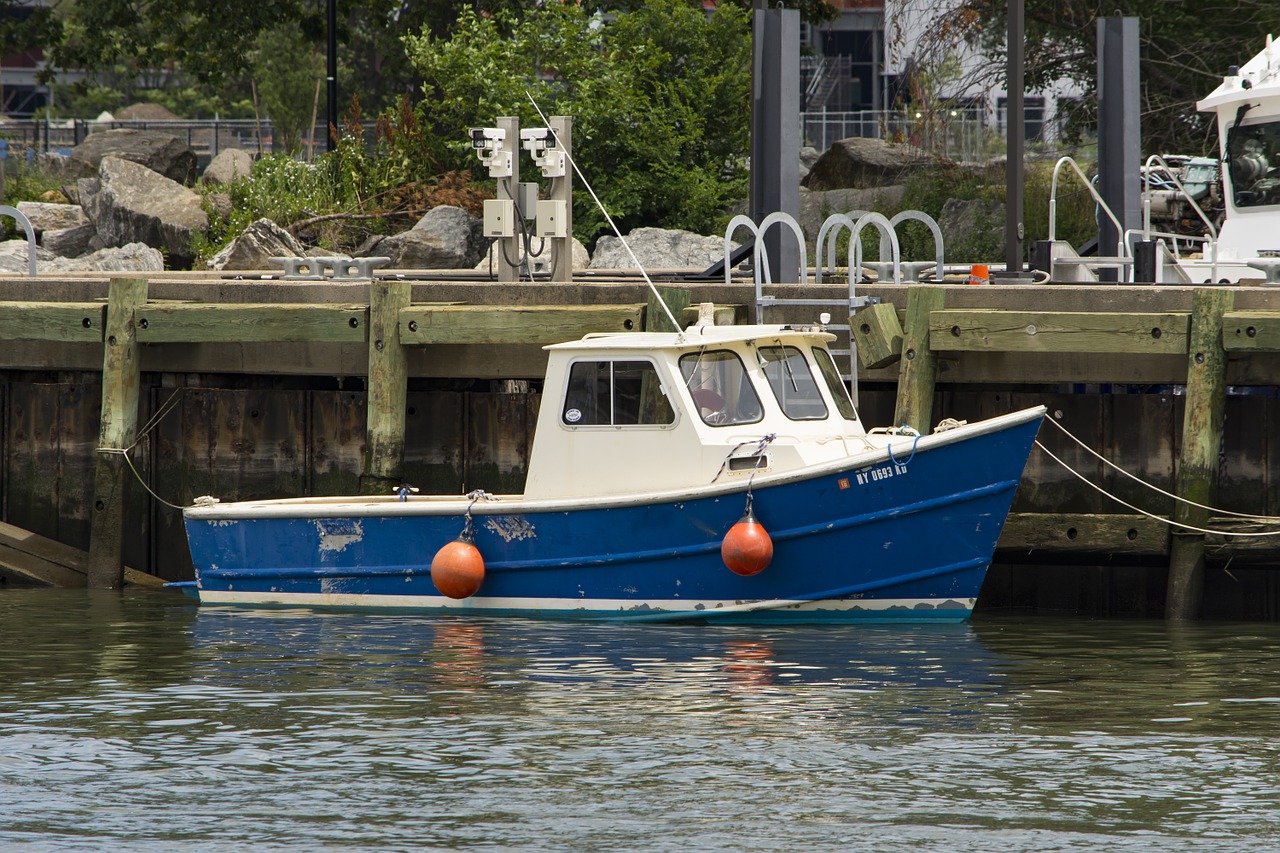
<point>1247,104</point>
<point>634,413</point>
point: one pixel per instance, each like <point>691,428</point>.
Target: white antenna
<point>609,219</point>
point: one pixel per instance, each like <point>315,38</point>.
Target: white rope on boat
<point>672,317</point>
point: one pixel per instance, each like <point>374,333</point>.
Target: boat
<point>718,473</point>
<point>1247,108</point>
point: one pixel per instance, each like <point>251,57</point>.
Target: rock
<point>136,205</point>
<point>859,162</point>
<point>52,163</point>
<point>52,217</point>
<point>14,257</point>
<point>230,165</point>
<point>146,111</point>
<point>808,156</point>
<point>542,263</point>
<point>221,203</point>
<point>815,207</point>
<point>262,240</point>
<point>973,227</point>
<point>82,192</point>
<point>72,242</point>
<point>159,152</point>
<point>133,257</point>
<point>446,237</point>
<point>659,248</point>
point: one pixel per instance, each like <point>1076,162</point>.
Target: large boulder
<point>15,257</point>
<point>159,152</point>
<point>254,248</point>
<point>659,248</point>
<point>973,227</point>
<point>859,162</point>
<point>446,238</point>
<point>137,205</point>
<point>134,257</point>
<point>52,217</point>
<point>72,242</point>
<point>230,165</point>
<point>815,207</point>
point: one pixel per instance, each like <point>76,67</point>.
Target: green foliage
<point>286,73</point>
<point>1185,48</point>
<point>659,97</point>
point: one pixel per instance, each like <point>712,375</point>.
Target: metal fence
<point>959,135</point>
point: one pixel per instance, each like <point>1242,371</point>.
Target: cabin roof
<point>695,337</point>
<point>1262,73</point>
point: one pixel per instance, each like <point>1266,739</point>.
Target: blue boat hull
<point>895,539</point>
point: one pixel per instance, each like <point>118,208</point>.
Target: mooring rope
<point>1082,478</point>
<point>165,408</point>
<point>760,443</point>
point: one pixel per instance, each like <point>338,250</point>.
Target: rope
<point>165,408</point>
<point>900,430</point>
<point>1155,488</point>
<point>1150,515</point>
<point>476,495</point>
<point>652,287</point>
<point>760,443</point>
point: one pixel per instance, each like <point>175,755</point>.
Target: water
<point>141,722</point>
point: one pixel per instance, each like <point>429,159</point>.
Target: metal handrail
<point>1212,240</point>
<point>1053,204</point>
<point>6,210</point>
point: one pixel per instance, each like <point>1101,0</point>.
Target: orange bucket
<point>979,274</point>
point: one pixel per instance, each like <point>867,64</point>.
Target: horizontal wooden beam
<point>1251,331</point>
<point>80,322</point>
<point>1085,533</point>
<point>47,562</point>
<point>176,322</point>
<point>995,330</point>
<point>513,324</point>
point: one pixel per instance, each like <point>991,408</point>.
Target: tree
<point>1186,48</point>
<point>659,95</point>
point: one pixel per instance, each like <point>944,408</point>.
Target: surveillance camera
<point>537,137</point>
<point>487,137</point>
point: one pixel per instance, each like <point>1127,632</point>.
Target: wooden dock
<point>269,389</point>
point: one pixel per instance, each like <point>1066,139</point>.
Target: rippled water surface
<point>142,722</point>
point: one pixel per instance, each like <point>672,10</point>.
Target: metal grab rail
<point>1211,241</point>
<point>6,210</point>
<point>1053,205</point>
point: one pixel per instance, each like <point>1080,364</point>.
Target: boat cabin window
<point>615,393</point>
<point>831,376</point>
<point>721,391</point>
<point>792,383</point>
<point>1253,155</point>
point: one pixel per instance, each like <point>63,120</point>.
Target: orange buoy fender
<point>747,549</point>
<point>457,569</point>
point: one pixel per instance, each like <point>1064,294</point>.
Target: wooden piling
<point>1201,444</point>
<point>388,388</point>
<point>918,369</point>
<point>655,318</point>
<point>121,378</point>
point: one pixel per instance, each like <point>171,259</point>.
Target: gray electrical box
<point>551,218</point>
<point>499,217</point>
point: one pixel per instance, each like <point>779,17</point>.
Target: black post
<point>1015,124</point>
<point>332,79</point>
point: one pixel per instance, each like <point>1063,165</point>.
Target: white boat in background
<point>1247,105</point>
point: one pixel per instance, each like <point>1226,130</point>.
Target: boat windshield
<point>831,375</point>
<point>615,393</point>
<point>721,391</point>
<point>1253,153</point>
<point>792,383</point>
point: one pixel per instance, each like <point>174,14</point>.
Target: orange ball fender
<point>747,549</point>
<point>457,569</point>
